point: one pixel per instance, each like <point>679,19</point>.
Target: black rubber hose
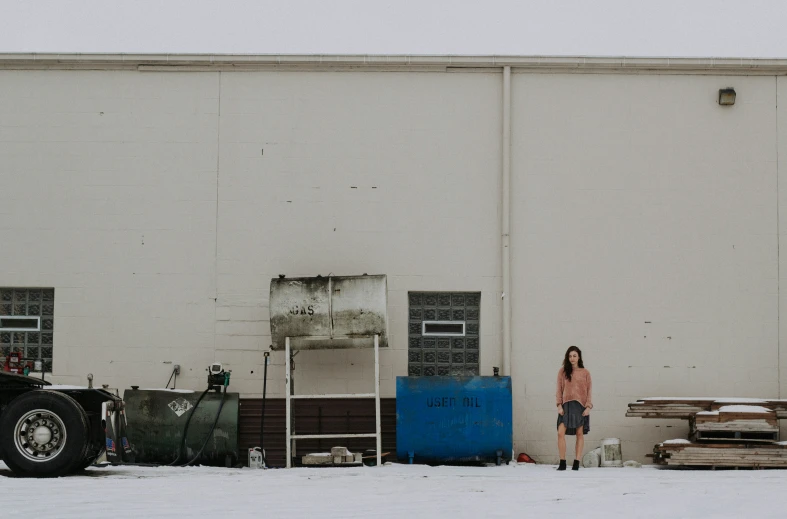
<point>213,427</point>
<point>186,429</point>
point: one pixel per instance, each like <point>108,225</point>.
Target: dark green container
<point>157,417</point>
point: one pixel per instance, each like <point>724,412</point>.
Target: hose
<point>216,421</point>
<point>186,428</point>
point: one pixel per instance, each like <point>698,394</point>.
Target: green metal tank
<point>157,418</point>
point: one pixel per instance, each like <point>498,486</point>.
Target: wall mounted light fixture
<point>727,96</point>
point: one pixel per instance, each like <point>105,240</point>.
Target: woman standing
<point>573,404</point>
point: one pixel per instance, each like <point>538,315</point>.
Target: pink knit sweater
<point>578,388</point>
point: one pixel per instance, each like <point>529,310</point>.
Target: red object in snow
<point>524,458</point>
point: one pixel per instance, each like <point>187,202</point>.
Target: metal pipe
<point>337,395</point>
<point>378,430</point>
<point>506,224</point>
<point>287,399</point>
<point>318,436</point>
<point>266,356</point>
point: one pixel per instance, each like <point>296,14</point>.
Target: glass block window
<point>29,323</point>
<point>443,333</point>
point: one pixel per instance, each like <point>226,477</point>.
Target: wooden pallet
<point>723,432</point>
<point>720,455</point>
<point>685,408</point>
<point>734,436</point>
<point>735,423</point>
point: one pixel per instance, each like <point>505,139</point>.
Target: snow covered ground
<point>397,491</point>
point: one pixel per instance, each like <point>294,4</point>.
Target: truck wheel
<point>44,434</point>
<point>89,456</point>
<point>85,463</point>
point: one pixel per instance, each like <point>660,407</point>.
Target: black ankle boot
<point>562,465</point>
<point>575,466</point>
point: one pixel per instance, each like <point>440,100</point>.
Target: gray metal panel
<point>329,312</point>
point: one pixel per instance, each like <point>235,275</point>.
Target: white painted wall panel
<point>346,173</point>
<point>644,231</point>
<point>108,191</point>
<point>645,224</point>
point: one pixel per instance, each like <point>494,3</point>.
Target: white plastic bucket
<point>611,453</point>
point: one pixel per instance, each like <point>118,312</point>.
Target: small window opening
<point>451,328</point>
<point>18,323</point>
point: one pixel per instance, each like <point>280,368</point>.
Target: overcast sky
<point>715,28</point>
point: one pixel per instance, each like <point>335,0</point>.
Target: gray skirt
<point>572,418</point>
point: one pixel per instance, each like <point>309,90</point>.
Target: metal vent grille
<point>430,355</point>
<point>32,302</point>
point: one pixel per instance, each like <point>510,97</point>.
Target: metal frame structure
<point>290,438</point>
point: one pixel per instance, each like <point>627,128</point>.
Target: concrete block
<point>339,451</point>
<point>317,459</point>
<point>223,313</point>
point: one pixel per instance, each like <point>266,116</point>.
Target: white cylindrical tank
<point>611,453</point>
<point>332,311</point>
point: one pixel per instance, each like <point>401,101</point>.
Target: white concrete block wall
<point>108,194</point>
<point>644,231</point>
<point>645,224</point>
<point>110,189</point>
<point>346,173</point>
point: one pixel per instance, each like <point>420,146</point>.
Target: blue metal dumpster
<point>453,419</point>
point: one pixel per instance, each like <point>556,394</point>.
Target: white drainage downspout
<point>506,224</point>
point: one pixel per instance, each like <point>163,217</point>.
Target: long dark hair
<point>567,367</point>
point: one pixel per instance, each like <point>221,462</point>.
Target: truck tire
<point>44,434</point>
<point>85,463</point>
<point>89,456</point>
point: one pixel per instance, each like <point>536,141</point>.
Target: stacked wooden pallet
<point>735,422</point>
<point>721,455</point>
<point>668,408</point>
<point>685,408</point>
<point>723,432</point>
